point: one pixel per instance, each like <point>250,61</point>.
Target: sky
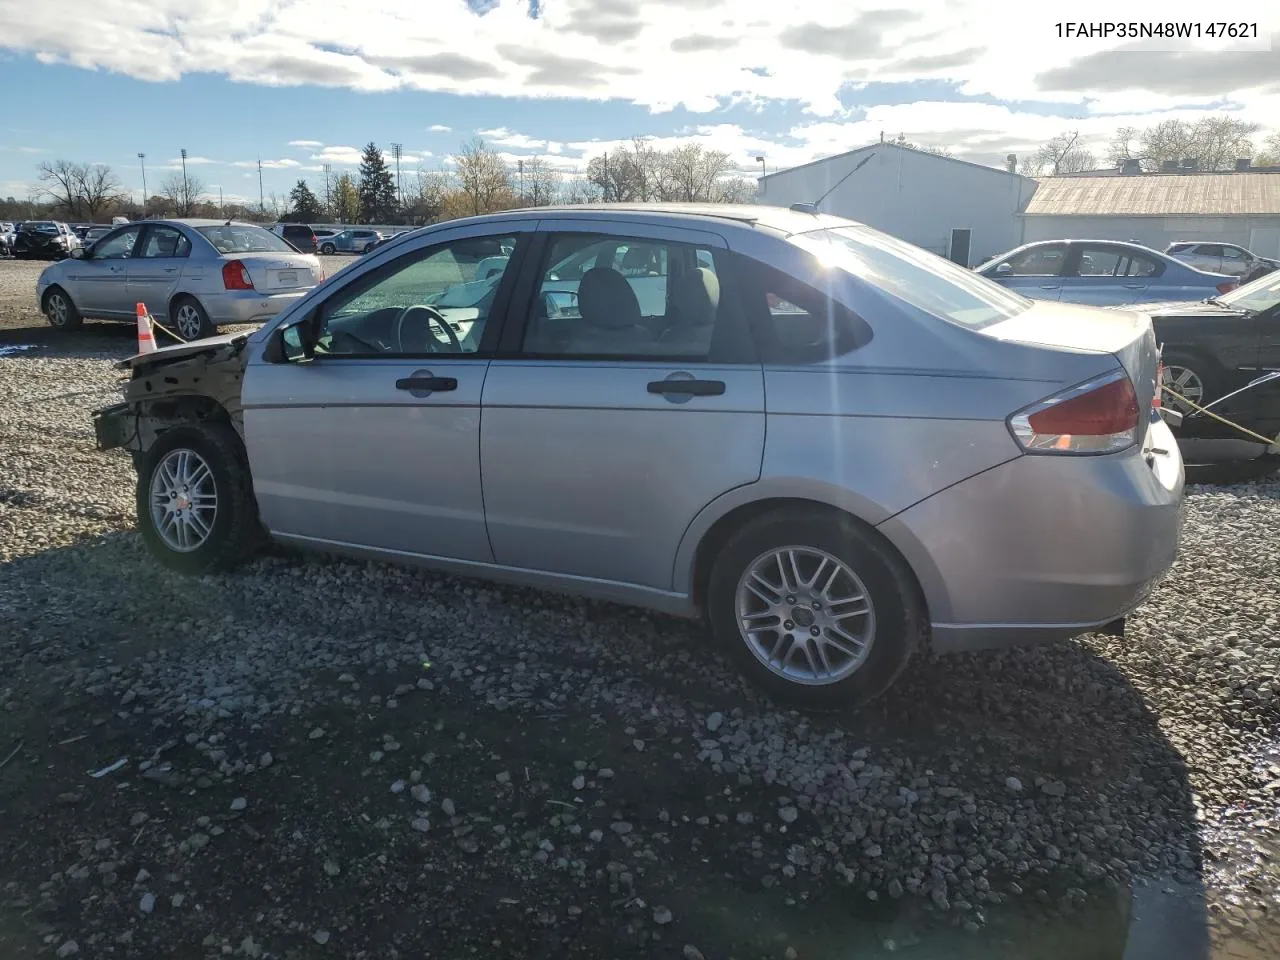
<point>301,83</point>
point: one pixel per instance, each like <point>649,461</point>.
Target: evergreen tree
<point>304,206</point>
<point>377,187</point>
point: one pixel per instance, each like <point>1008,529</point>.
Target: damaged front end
<point>188,383</point>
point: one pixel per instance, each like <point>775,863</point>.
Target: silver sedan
<point>834,446</point>
<point>193,275</point>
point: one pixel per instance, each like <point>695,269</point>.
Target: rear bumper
<point>1044,547</point>
<point>248,306</point>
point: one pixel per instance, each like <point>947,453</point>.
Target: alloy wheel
<point>184,500</point>
<point>1185,381</point>
<point>59,310</point>
<point>189,322</point>
<point>805,615</point>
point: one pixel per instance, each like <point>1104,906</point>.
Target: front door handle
<point>1050,286</point>
<point>432,384</point>
<point>1134,286</point>
<point>697,388</point>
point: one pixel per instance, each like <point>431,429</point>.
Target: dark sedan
<point>1214,349</point>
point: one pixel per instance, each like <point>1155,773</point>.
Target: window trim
<point>730,344</point>
<point>494,325</point>
<point>145,236</point>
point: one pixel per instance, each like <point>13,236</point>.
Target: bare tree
<point>60,181</point>
<point>734,190</point>
<point>691,173</point>
<point>1270,155</point>
<point>425,199</point>
<point>1123,145</point>
<point>902,141</point>
<point>182,192</point>
<point>1061,154</point>
<point>483,177</point>
<point>541,182</point>
<point>99,189</point>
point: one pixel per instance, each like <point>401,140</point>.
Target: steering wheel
<point>434,319</point>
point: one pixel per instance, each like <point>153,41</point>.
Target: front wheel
<point>1191,377</point>
<point>196,509</point>
<point>60,311</point>
<point>817,610</point>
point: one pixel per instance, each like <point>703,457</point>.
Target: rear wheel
<point>196,510</point>
<point>328,249</point>
<point>369,246</point>
<point>190,320</point>
<point>60,311</point>
<point>814,608</point>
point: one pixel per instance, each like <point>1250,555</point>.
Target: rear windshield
<point>920,278</point>
<point>244,238</point>
<point>39,226</point>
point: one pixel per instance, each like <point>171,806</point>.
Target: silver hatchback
<point>192,274</point>
<point>834,446</point>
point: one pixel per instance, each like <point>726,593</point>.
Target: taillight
<point>235,276</point>
<point>1226,286</point>
<point>1100,416</point>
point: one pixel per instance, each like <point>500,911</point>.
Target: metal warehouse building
<point>1157,209</point>
<point>965,211</point>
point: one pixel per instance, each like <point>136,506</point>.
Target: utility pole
<point>520,167</point>
<point>606,176</point>
<point>396,151</point>
<point>262,203</point>
<point>222,210</point>
<point>142,159</point>
<point>328,169</point>
<point>186,193</point>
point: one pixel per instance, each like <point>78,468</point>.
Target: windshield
<point>1262,294</point>
<point>244,238</point>
<point>922,279</point>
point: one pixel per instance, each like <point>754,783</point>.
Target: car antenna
<point>813,207</point>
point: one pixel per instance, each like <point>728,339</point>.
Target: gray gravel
<point>1045,776</point>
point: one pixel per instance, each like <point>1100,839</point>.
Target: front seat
<point>610,312</point>
<point>695,298</point>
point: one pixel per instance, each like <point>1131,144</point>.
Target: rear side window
<point>793,322</point>
<point>1105,261</point>
<point>244,238</point>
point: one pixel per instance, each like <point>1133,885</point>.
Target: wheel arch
<point>49,291</point>
<point>718,521</point>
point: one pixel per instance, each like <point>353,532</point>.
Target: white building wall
<point>912,195</point>
<point>1259,234</point>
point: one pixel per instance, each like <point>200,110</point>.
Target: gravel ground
<point>330,758</point>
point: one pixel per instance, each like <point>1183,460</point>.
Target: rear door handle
<point>697,388</point>
<point>1134,286</point>
<point>1050,286</point>
<point>427,383</point>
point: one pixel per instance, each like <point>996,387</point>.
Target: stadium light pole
<point>328,169</point>
<point>186,191</point>
<point>142,160</point>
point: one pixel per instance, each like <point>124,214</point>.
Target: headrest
<point>695,297</point>
<point>605,299</point>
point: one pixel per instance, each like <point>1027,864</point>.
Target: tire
<point>189,320</point>
<point>368,247</point>
<point>233,530</point>
<point>1233,471</point>
<point>328,249</point>
<point>895,626</point>
<point>1202,371</point>
<point>60,311</point>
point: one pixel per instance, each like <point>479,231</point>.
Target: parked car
<point>356,240</point>
<point>300,236</point>
<point>6,238</point>
<point>1101,272</point>
<point>191,274</point>
<point>1215,347</point>
<point>95,233</point>
<point>801,474</point>
<point>1226,258</point>
<point>44,240</point>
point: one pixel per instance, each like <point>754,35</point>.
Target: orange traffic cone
<point>146,338</point>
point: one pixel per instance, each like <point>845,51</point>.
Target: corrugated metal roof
<point>1177,194</point>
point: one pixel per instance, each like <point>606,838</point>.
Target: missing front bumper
<point>113,426</point>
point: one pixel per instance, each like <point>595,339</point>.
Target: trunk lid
<point>281,272</point>
<point>1126,334</point>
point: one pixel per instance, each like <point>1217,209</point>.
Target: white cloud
<point>284,163</point>
<point>755,52</point>
<point>439,128</point>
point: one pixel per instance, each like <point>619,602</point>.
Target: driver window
<point>436,300</point>
<point>117,247</point>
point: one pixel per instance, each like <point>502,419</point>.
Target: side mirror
<point>287,345</point>
<point>1004,270</point>
<point>79,253</point>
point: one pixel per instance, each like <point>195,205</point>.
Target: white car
<point>1228,258</point>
